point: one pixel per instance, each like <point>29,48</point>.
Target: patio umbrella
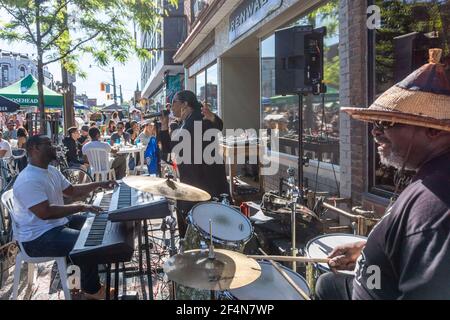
<point>25,93</point>
<point>80,106</point>
<point>7,105</point>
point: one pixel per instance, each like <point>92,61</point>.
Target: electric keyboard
<point>128,204</point>
<point>109,237</point>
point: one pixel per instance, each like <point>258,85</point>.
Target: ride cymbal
<point>167,187</point>
<point>228,270</point>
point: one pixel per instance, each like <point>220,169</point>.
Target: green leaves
<point>73,27</point>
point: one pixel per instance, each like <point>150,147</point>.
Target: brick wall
<point>353,93</point>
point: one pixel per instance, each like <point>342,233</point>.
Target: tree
<point>63,30</point>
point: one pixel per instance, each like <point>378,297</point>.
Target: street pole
<point>121,96</point>
<point>114,85</point>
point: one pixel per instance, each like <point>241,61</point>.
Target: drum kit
<point>211,263</point>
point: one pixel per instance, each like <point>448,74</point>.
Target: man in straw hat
<point>407,255</point>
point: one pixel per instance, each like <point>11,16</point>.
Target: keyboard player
<point>45,226</point>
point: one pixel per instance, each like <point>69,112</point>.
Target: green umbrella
<point>25,93</point>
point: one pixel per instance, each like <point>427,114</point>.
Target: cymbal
<point>167,187</point>
<point>229,270</point>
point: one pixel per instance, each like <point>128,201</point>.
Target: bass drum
<point>271,285</point>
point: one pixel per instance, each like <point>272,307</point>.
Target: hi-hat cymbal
<point>167,187</point>
<point>229,270</point>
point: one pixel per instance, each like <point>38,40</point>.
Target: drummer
<point>407,255</point>
<point>211,178</point>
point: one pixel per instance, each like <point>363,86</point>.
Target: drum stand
<point>294,195</point>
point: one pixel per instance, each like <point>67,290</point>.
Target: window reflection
<point>408,30</point>
<point>320,113</point>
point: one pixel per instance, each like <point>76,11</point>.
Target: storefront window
<point>206,84</point>
<point>211,87</point>
<point>408,30</point>
<point>320,113</point>
<point>200,86</point>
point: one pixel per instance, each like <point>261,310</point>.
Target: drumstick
<point>288,279</point>
<point>291,259</point>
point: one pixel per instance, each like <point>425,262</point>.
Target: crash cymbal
<point>229,270</point>
<point>167,187</point>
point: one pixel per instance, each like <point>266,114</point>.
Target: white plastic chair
<point>142,167</point>
<point>100,165</point>
<point>8,204</point>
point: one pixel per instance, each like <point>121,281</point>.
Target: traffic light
<point>102,86</point>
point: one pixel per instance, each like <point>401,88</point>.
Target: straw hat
<point>421,99</point>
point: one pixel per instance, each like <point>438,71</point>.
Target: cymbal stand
<point>294,195</point>
<point>211,254</point>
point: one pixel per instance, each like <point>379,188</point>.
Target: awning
<point>114,107</point>
<point>25,93</point>
<point>7,105</point>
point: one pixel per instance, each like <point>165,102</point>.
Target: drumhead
<point>228,224</point>
<point>271,285</point>
<point>320,247</point>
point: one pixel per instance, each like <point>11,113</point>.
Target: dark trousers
<point>183,209</point>
<point>331,286</point>
<point>120,166</point>
<point>58,242</point>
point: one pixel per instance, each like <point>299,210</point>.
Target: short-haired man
<point>47,227</point>
<point>118,162</point>
<point>120,134</point>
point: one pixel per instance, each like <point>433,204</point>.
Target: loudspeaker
<point>299,60</point>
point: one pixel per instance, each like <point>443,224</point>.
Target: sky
<point>127,75</point>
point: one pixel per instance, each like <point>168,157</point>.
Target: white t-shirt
<point>96,145</point>
<point>4,145</point>
<point>99,145</point>
<point>35,185</point>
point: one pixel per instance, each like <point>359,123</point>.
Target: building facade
<point>229,59</point>
<point>161,77</point>
<point>16,66</point>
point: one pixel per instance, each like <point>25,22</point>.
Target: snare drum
<point>271,285</point>
<point>231,229</point>
<point>320,248</point>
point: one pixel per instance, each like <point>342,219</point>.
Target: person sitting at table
<point>111,127</point>
<point>5,147</point>
<point>133,131</point>
<point>120,134</point>
<point>73,153</point>
<point>22,137</point>
<point>148,132</point>
<point>84,138</point>
<point>11,133</point>
<point>119,161</point>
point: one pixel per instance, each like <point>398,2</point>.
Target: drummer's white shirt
<point>33,186</point>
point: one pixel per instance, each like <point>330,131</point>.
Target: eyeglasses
<point>118,128</point>
<point>384,125</point>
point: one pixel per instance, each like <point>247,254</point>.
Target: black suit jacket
<point>209,177</point>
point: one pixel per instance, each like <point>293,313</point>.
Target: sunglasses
<point>384,125</point>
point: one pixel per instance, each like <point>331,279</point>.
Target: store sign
<point>248,14</point>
